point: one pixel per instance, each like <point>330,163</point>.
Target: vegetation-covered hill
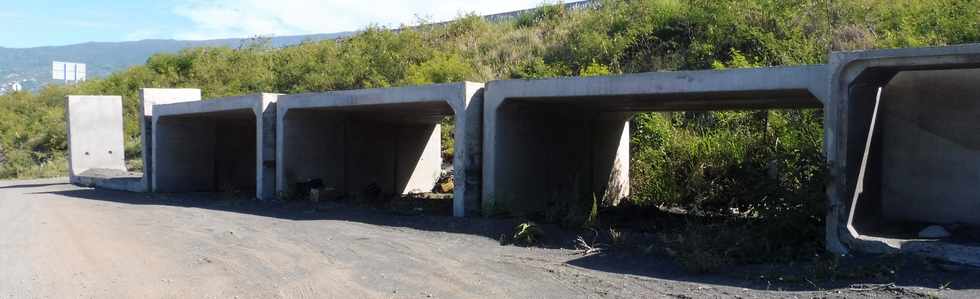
<point>706,162</point>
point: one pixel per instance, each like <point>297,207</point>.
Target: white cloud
<point>244,18</point>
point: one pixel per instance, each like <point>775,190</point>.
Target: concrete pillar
<point>148,98</point>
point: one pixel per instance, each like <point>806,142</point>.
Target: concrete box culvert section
<point>550,140</point>
<point>220,145</point>
<point>382,141</point>
<point>922,164</point>
<point>148,98</point>
<point>95,142</point>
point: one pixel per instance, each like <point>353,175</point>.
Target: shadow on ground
<point>35,185</point>
<point>910,272</point>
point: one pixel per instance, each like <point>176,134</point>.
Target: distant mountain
<point>31,67</point>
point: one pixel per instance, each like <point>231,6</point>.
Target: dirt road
<point>61,241</point>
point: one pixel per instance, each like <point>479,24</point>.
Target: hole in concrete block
<point>924,163</point>
<point>207,152</point>
<point>368,153</point>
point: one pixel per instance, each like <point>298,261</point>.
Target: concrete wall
<point>220,145</point>
<point>388,140</point>
<point>930,146</point>
<point>148,98</point>
<point>548,141</point>
<point>95,134</point>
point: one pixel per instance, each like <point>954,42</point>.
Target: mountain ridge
<point>31,67</point>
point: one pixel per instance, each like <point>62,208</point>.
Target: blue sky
<point>32,23</point>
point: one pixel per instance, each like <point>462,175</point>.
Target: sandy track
<point>60,241</point>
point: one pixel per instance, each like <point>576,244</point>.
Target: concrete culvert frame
<point>552,139</point>
<point>148,98</point>
<point>908,159</point>
<point>383,141</point>
<point>221,145</point>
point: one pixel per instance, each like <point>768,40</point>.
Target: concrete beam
<point>553,139</point>
<point>148,98</point>
<point>224,145</point>
<point>385,139</point>
<point>925,126</point>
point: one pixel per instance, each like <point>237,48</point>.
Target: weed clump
<point>527,233</point>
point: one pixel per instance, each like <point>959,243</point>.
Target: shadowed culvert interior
<point>924,161</point>
<point>748,166</point>
<point>371,153</point>
<point>207,152</point>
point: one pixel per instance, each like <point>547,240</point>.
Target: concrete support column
<point>611,161</point>
<point>265,140</point>
<point>468,151</point>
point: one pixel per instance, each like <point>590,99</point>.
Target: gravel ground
<point>62,241</point>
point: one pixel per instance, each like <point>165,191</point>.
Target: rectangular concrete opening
<point>370,152</point>
<point>923,166</point>
<point>206,152</point>
<point>551,151</point>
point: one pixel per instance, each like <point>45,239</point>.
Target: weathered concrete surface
<point>934,135</point>
<point>383,141</point>
<point>112,179</point>
<point>148,98</point>
<point>95,137</point>
<point>930,147</point>
<point>549,140</point>
<point>225,145</point>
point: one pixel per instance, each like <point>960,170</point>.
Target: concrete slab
<point>95,138</point>
<point>384,141</point>
<point>221,145</point>
<point>921,165</point>
<point>148,98</point>
<point>553,139</point>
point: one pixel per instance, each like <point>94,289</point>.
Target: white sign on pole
<point>68,71</point>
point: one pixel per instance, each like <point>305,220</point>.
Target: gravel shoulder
<point>62,241</point>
